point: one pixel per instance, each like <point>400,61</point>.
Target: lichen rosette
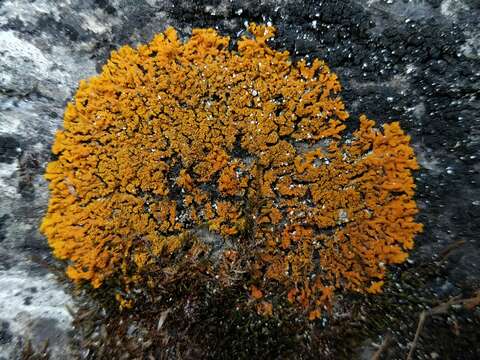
<point>178,150</point>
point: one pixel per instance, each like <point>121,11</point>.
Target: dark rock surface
<point>417,62</point>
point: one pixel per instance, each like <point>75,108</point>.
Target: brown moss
<point>172,138</point>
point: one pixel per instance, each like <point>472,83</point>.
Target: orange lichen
<point>243,148</point>
<point>265,308</point>
<point>256,292</point>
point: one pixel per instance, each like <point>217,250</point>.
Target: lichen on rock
<point>185,150</point>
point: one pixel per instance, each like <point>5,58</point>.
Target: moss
<point>181,151</point>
